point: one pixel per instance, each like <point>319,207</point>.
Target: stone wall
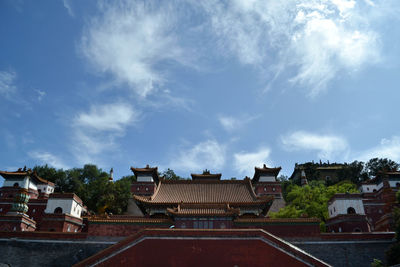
<point>23,252</point>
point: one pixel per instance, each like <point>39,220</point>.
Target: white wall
<point>368,188</point>
<point>69,206</point>
<point>393,183</point>
<point>267,179</point>
<point>23,182</point>
<point>46,188</point>
<point>145,178</point>
<point>340,206</point>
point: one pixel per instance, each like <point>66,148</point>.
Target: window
<point>183,225</point>
<point>351,210</point>
<point>138,188</point>
<point>327,177</point>
<point>380,211</point>
<point>147,189</point>
<point>357,230</point>
<point>69,228</point>
<point>265,189</point>
<point>34,210</point>
<point>334,209</point>
<point>195,224</point>
<point>1,209</point>
<point>222,226</point>
<point>367,188</point>
<point>58,210</point>
<point>16,185</point>
<point>273,189</point>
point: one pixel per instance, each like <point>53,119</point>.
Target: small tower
<point>111,178</point>
<point>16,219</point>
<point>303,178</point>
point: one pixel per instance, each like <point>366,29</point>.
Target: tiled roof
<point>265,170</point>
<point>22,173</point>
<point>210,209</point>
<point>206,175</point>
<point>146,171</point>
<point>199,191</point>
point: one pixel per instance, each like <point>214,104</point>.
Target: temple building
<point>206,201</point>
<point>28,203</point>
<point>370,210</point>
<point>205,220</point>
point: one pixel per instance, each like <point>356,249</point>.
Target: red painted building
<point>42,209</point>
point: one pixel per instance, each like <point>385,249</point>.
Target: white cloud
<point>205,155</point>
<point>245,162</point>
<point>7,82</point>
<point>107,117</point>
<point>131,40</point>
<point>41,94</point>
<point>230,123</point>
<point>68,6</point>
<point>326,145</point>
<point>388,148</point>
<point>96,131</point>
<point>48,158</point>
<point>319,38</point>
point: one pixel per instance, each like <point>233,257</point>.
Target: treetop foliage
<point>311,200</point>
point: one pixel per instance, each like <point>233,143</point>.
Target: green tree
<point>311,200</point>
<point>170,175</point>
<point>375,165</point>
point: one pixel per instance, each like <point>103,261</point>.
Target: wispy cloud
<point>68,7</point>
<point>7,82</point>
<point>40,94</point>
<point>388,148</point>
<point>327,146</point>
<point>205,155</point>
<point>246,161</point>
<point>96,131</point>
<point>47,158</point>
<point>318,38</point>
<point>107,117</point>
<point>131,41</point>
<point>230,123</point>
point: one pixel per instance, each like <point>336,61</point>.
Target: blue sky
<point>219,85</point>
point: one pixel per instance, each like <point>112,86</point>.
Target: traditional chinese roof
<point>206,175</point>
<point>265,171</point>
<point>146,171</point>
<point>235,192</point>
<point>20,173</point>
<point>204,210</point>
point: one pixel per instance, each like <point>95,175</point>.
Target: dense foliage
<point>311,200</point>
<point>92,185</point>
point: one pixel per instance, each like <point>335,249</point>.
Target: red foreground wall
<point>202,248</point>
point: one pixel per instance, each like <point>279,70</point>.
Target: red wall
<point>110,229</point>
<point>202,253</point>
